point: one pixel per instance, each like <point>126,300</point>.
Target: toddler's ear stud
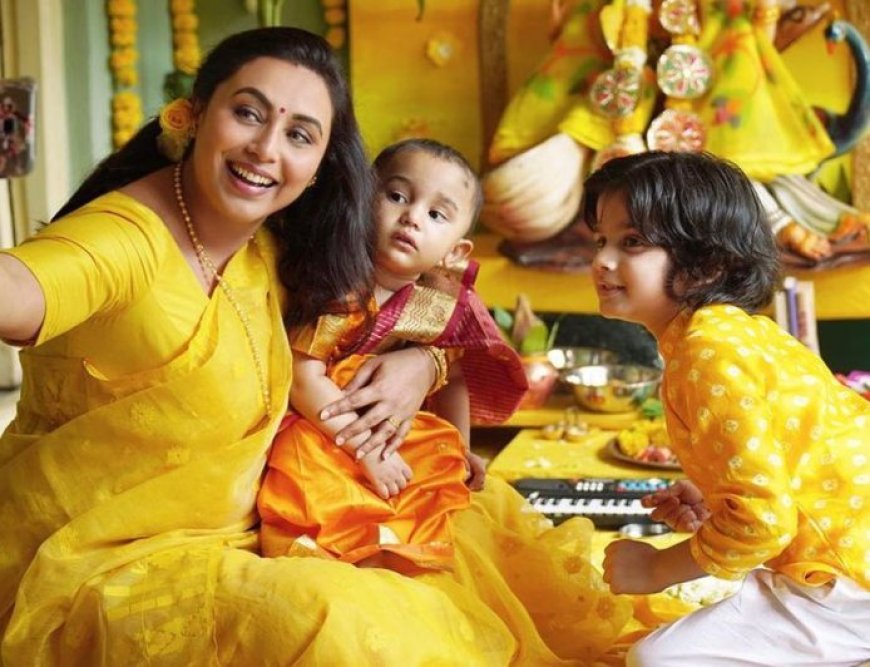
<point>312,182</point>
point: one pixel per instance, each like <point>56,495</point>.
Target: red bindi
<point>282,109</point>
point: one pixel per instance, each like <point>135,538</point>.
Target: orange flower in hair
<point>177,125</point>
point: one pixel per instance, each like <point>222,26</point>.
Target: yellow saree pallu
<point>755,113</point>
<point>316,490</point>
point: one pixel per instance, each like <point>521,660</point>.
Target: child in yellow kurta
<point>384,508</point>
<point>775,448</point>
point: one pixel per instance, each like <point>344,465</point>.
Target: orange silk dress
<point>316,499</point>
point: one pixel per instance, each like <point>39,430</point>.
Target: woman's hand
<point>680,506</point>
<point>391,387</point>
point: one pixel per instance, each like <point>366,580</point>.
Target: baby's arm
<point>452,404</point>
<point>311,390</point>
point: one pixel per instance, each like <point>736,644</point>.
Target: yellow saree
<point>128,484</point>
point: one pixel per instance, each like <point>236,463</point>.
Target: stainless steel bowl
<point>566,358</point>
<point>612,388</point>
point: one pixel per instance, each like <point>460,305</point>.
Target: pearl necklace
<point>209,271</point>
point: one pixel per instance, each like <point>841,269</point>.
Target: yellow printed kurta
<point>128,484</point>
<point>779,448</point>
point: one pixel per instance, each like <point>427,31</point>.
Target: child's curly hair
<point>704,212</point>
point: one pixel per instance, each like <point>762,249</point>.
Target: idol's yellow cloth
<point>315,490</point>
<point>128,484</point>
<point>755,114</point>
<point>556,97</point>
<point>776,444</point>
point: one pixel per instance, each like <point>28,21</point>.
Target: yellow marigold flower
<point>121,58</point>
<point>185,39</point>
<point>335,37</point>
<point>187,22</point>
<point>121,8</point>
<point>180,6</point>
<point>123,24</point>
<point>121,137</point>
<point>127,77</point>
<point>123,38</point>
<point>126,99</point>
<point>335,16</point>
<point>187,60</point>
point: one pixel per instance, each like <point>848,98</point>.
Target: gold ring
<point>395,422</point>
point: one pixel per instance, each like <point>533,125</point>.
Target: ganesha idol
<point>624,76</point>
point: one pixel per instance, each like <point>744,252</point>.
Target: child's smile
<point>630,275</point>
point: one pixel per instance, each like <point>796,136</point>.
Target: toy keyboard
<point>608,503</point>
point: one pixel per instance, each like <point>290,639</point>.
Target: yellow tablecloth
<point>529,455</point>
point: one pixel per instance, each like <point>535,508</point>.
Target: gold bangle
<point>439,358</point>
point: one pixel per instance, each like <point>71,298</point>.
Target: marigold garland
<point>335,15</point>
<point>186,54</point>
<point>126,104</point>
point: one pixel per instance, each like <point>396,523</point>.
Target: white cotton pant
<point>771,621</point>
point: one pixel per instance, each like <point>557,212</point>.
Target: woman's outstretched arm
<point>22,303</point>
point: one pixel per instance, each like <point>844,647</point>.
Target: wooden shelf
<point>841,293</point>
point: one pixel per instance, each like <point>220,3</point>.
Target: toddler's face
<point>423,210</point>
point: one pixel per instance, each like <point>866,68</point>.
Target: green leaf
<point>651,408</point>
<point>551,340</point>
<point>503,318</point>
<point>535,340</point>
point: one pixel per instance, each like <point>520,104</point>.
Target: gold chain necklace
<point>209,271</point>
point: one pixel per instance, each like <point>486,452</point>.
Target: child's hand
<point>628,567</point>
<point>476,471</point>
<point>374,388</point>
<point>680,506</point>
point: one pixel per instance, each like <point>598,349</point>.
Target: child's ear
<point>460,252</point>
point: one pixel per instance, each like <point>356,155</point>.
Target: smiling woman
<point>156,370</point>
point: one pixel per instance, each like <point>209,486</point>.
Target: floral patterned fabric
<point>754,113</point>
<point>776,444</point>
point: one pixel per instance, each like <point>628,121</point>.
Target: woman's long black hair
<point>325,237</point>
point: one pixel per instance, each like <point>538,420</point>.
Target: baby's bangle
<point>439,358</point>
